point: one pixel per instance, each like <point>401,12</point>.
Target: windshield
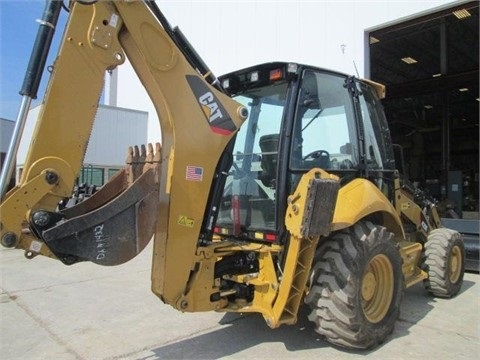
<point>324,131</point>
<point>248,202</point>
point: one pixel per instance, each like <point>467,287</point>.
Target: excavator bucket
<point>117,222</point>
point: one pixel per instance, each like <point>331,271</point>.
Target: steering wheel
<point>317,154</point>
<point>320,158</point>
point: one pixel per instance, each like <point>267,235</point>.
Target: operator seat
<point>269,146</point>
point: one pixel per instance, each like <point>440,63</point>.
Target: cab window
<point>324,130</point>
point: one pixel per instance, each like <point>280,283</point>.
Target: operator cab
<point>300,118</point>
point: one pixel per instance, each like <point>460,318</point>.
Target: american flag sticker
<point>194,173</point>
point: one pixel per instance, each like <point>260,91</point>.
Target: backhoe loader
<point>273,187</point>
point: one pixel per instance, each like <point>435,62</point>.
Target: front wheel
<point>444,262</point>
<point>356,286</point>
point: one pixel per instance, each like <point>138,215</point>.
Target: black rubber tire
<point>444,262</point>
<point>337,295</point>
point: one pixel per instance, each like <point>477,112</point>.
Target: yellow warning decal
<point>406,206</point>
<point>185,221</point>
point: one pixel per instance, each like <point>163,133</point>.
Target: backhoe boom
<point>162,200</point>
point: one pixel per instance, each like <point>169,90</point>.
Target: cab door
<point>324,130</point>
<point>379,155</point>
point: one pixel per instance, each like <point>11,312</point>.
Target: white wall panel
<point>6,131</point>
<point>114,130</point>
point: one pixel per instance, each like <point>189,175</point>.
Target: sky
<point>18,29</point>
<point>228,34</point>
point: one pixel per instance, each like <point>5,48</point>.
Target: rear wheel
<point>444,262</point>
<point>356,287</point>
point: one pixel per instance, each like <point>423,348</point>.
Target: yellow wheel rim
<point>377,288</point>
<point>455,264</point>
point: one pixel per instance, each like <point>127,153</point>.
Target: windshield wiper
<point>313,118</point>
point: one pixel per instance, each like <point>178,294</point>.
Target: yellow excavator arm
<point>163,192</point>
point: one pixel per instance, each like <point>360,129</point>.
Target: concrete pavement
<point>51,311</point>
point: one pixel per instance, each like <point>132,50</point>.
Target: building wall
<point>114,130</point>
<point>6,131</point>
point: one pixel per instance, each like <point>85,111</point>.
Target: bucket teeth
<point>149,157</point>
<point>140,159</point>
<point>158,153</point>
